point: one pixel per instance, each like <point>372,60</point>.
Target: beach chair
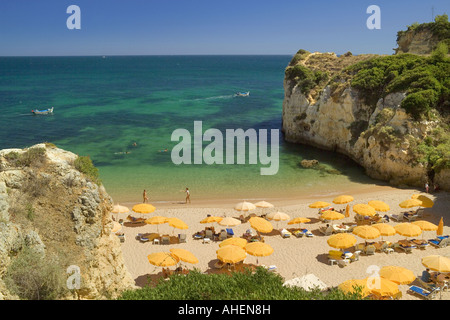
<point>209,234</point>
<point>230,231</point>
<point>439,242</point>
<point>369,250</point>
<point>420,212</point>
<point>421,292</point>
<point>355,256</point>
<point>223,235</point>
<point>165,240</point>
<point>327,231</point>
<point>307,233</point>
<point>135,220</point>
<point>334,256</point>
<point>182,237</point>
<point>271,268</point>
<point>396,217</point>
<point>142,237</point>
<point>410,217</point>
<point>285,233</point>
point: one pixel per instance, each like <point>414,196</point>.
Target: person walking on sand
<point>145,196</point>
<point>188,195</point>
<point>426,187</point>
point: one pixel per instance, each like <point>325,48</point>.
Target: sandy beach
<point>293,257</point>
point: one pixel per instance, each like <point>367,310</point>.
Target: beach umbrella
<point>278,216</point>
<point>397,274</point>
<point>343,199</point>
<point>332,215</point>
<point>119,209</point>
<point>258,249</point>
<point>211,219</point>
<point>244,206</point>
<point>240,242</point>
<point>426,202</point>
<point>341,241</point>
<point>440,230</point>
<point>163,259</point>
<point>264,204</point>
<point>382,286</point>
<point>385,229</point>
<point>116,227</point>
<point>379,205</point>
<point>347,211</point>
<point>260,224</point>
<point>425,225</point>
<point>143,208</point>
<point>408,229</point>
<point>184,255</point>
<point>410,203</point>
<point>156,220</point>
<point>177,223</point>
<point>319,204</point>
<point>366,232</point>
<point>299,220</point>
<point>364,210</point>
<point>231,254</point>
<point>229,222</point>
<point>349,286</point>
<point>437,263</point>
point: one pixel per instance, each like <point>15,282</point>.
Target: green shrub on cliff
<point>306,78</point>
<point>84,164</point>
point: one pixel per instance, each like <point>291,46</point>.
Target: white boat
<point>48,111</point>
<point>242,94</point>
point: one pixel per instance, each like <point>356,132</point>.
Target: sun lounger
<point>397,217</point>
<point>421,292</point>
<point>230,231</point>
<point>369,250</point>
<point>209,234</point>
<point>327,231</point>
<point>307,233</point>
<point>165,240</point>
<point>439,242</point>
<point>420,212</point>
<point>223,235</point>
<point>135,220</point>
<point>410,217</point>
<point>182,237</point>
<point>270,268</point>
<point>285,233</point>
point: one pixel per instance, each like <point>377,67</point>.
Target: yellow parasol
<point>240,242</point>
<point>398,275</point>
<point>382,287</point>
<point>385,229</point>
<point>229,222</point>
<point>341,241</point>
<point>163,259</point>
<point>437,263</point>
<point>440,230</point>
<point>426,202</point>
<point>366,232</point>
<point>364,210</point>
<point>278,216</point>
<point>379,205</point>
<point>349,286</point>
<point>258,249</point>
<point>231,254</point>
<point>156,220</point>
<point>184,255</point>
<point>410,203</point>
<point>343,199</point>
<point>332,215</point>
<point>299,220</point>
<point>319,204</point>
<point>177,224</point>
<point>260,224</point>
<point>244,206</point>
<point>408,229</point>
<point>425,225</point>
<point>211,219</point>
<point>143,208</point>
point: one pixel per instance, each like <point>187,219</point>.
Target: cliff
<point>54,218</point>
<point>390,114</point>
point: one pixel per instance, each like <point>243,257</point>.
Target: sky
<point>179,27</point>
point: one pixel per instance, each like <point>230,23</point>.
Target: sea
<point>121,111</point>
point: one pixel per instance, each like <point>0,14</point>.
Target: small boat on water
<point>48,111</point>
<point>242,94</point>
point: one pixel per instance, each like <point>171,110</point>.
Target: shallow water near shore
<point>105,105</point>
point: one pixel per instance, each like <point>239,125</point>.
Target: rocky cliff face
<point>417,42</point>
<point>380,139</point>
<point>50,207</point>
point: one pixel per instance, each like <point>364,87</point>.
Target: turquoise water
<point>104,105</point>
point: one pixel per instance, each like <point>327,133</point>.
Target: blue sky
<point>161,27</point>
